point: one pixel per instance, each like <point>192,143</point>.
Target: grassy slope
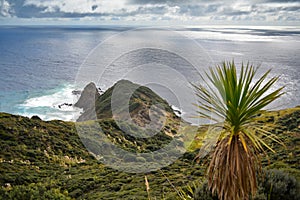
<point>51,153</point>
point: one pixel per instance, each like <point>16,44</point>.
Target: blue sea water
<point>38,65</point>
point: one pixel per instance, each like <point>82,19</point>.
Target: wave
<point>53,104</point>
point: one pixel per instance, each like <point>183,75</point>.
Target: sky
<point>150,12</point>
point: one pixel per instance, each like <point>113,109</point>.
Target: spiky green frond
<point>236,101</point>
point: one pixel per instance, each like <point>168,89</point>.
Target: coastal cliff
<point>47,159</point>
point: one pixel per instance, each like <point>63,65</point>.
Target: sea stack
<point>88,98</point>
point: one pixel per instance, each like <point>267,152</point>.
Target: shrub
<point>33,191</point>
<point>278,185</point>
<point>274,185</point>
<point>203,192</point>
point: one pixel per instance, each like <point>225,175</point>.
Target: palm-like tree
<point>236,101</point>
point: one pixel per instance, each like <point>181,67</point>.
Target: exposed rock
<point>76,92</point>
<point>88,96</point>
<point>64,104</point>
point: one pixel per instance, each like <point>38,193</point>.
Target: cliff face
<point>88,96</point>
<point>87,101</point>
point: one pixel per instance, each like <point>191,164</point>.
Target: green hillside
<point>50,156</point>
<point>140,98</point>
<point>47,159</point>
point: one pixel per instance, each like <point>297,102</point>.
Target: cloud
<point>5,9</point>
<point>183,10</point>
<point>283,1</point>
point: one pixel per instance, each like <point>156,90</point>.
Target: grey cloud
<point>182,2</point>
<point>31,11</point>
<point>198,10</point>
<point>94,7</point>
<point>275,10</point>
<point>141,2</point>
<point>282,1</point>
<point>293,9</point>
<point>19,10</point>
<point>170,2</point>
<point>192,10</point>
<point>215,9</point>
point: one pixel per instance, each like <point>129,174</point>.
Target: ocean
<point>40,66</point>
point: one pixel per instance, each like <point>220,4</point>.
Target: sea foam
<point>54,104</point>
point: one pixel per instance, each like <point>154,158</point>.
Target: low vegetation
<point>47,160</point>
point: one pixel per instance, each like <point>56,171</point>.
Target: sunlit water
<point>38,65</point>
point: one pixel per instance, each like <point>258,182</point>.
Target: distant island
<point>48,160</point>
